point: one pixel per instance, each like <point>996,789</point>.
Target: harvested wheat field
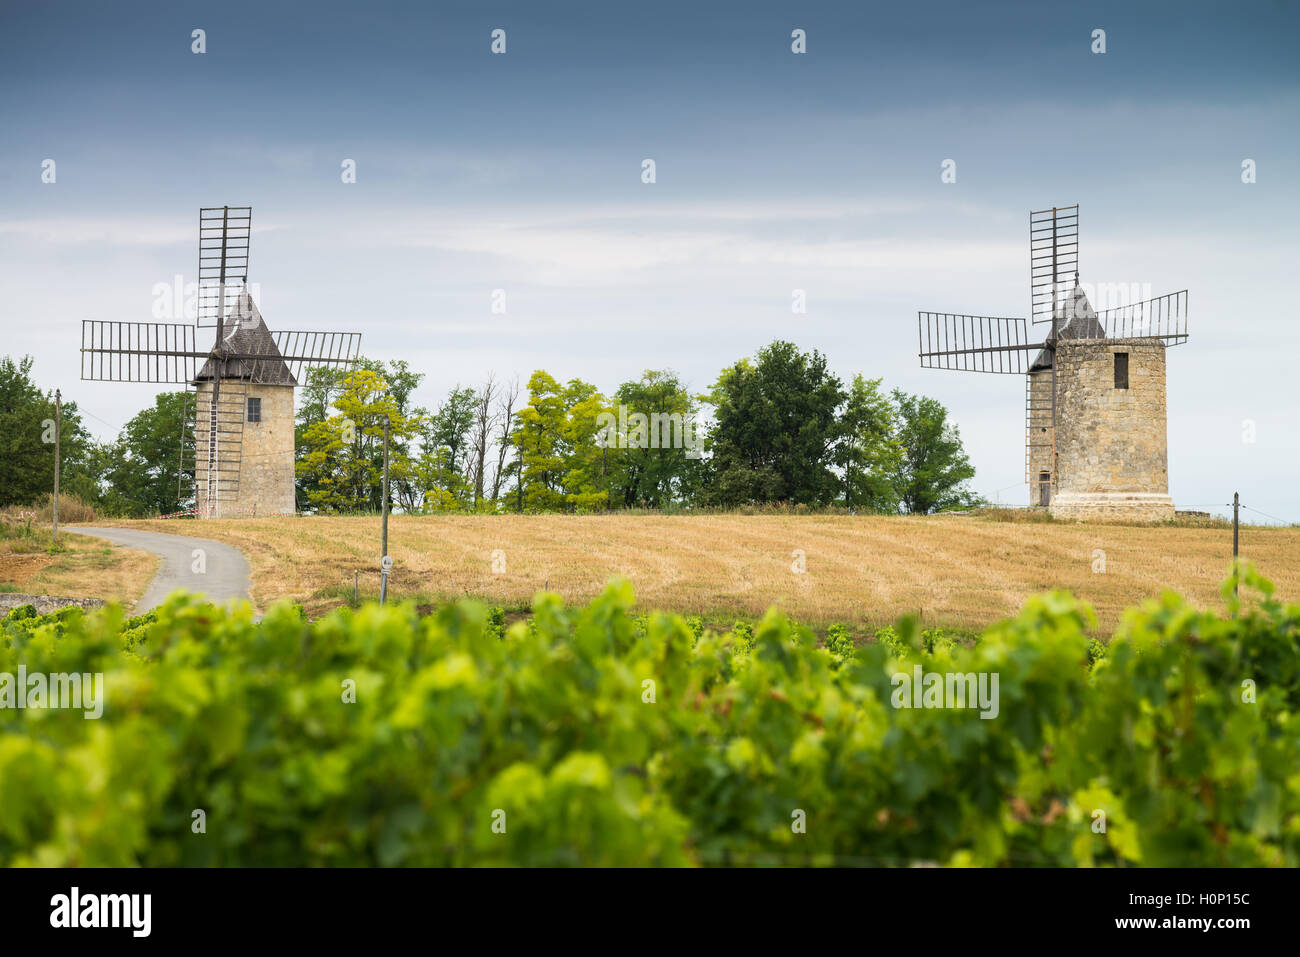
<point>962,571</point>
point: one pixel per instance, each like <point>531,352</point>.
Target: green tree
<point>449,427</point>
<point>869,455</point>
<point>540,441</point>
<point>586,478</point>
<point>327,447</point>
<point>340,459</point>
<point>439,475</point>
<point>142,474</point>
<point>775,429</point>
<point>27,441</point>
<point>562,464</point>
<point>935,468</point>
<point>651,463</point>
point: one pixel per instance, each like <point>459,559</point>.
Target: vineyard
<point>596,736</point>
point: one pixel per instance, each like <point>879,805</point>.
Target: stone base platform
<point>1112,506</point>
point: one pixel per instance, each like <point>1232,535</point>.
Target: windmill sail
<point>1164,317</point>
<point>1053,259</point>
<point>160,352</point>
<point>224,233</point>
<point>973,343</point>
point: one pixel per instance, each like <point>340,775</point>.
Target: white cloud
<point>109,231</point>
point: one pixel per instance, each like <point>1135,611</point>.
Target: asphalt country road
<point>224,571</point>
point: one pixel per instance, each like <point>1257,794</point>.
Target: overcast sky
<point>775,172</point>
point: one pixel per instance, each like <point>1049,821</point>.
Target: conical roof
<point>246,334</point>
<point>1076,319</point>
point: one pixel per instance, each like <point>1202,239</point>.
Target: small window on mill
<point>255,409</point>
<point>1121,370</point>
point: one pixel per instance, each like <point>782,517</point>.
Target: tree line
<point>777,427</point>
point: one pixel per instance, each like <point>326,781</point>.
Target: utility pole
<point>384,505</point>
<point>385,563</point>
<point>519,478</point>
<point>58,427</point>
<point>1236,571</point>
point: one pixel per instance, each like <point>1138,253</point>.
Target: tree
<point>540,440</point>
<point>654,453</point>
<point>505,418</point>
<point>323,448</point>
<point>340,461</point>
<point>142,473</point>
<point>27,441</point>
<point>775,429</point>
<point>481,434</point>
<point>449,427</point>
<point>585,479</point>
<point>934,464</point>
<point>869,454</point>
<point>560,461</point>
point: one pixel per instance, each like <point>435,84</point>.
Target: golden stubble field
<point>860,571</point>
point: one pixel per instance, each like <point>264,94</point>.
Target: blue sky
<point>775,171</point>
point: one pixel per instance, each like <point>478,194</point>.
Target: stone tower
<point>249,469</point>
<point>1108,456</point>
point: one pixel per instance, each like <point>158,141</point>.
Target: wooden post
<point>355,576</point>
<point>1236,571</point>
<point>58,427</point>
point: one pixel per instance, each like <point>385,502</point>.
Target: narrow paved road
<point>222,571</point>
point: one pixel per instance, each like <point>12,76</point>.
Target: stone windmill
<point>242,410</point>
<point>1095,410</point>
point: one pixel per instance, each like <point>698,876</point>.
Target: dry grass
<point>79,567</point>
<point>954,570</point>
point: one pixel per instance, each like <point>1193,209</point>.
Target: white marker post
<point>385,566</point>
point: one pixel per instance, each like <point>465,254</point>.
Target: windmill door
<point>1044,488</point>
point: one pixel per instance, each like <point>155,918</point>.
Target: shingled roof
<point>1081,322</point>
<point>246,334</point>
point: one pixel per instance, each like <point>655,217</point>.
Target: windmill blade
<point>1164,317</point>
<point>138,351</point>
<point>223,260</point>
<point>304,350</point>
<point>1053,259</point>
<point>254,353</point>
<point>973,343</point>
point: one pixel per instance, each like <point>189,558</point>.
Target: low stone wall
<point>44,604</point>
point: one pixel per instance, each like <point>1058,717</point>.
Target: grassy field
<point>962,571</point>
<point>79,567</point>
